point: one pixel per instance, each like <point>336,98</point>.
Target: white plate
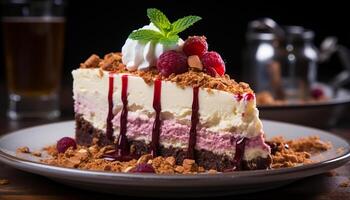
<point>327,112</point>
<point>168,185</point>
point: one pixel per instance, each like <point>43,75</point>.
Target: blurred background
<point>102,26</point>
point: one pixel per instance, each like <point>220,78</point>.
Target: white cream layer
<point>218,110</point>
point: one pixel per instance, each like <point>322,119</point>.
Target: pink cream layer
<point>177,134</point>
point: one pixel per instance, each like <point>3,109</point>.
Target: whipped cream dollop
<point>140,55</point>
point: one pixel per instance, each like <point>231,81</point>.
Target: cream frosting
<point>140,55</point>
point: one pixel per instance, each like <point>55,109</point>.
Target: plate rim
<point>26,164</point>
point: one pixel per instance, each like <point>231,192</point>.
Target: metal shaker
<point>282,61</point>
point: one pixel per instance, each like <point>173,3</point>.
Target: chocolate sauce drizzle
<point>194,121</point>
<point>109,128</point>
<point>157,121</point>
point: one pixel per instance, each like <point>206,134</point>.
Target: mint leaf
<point>173,39</point>
<point>159,19</point>
<point>168,32</point>
<point>183,23</point>
<point>145,35</point>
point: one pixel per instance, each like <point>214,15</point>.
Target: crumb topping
<point>194,78</point>
<point>90,158</point>
<point>345,184</point>
<point>285,153</point>
<point>24,149</point>
<point>290,153</point>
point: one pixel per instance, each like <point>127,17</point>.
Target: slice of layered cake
<point>168,97</point>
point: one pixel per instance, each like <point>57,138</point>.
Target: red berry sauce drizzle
<point>157,121</point>
<point>194,122</point>
<point>109,129</point>
<point>239,97</point>
<point>122,152</point>
<point>240,147</point>
<point>249,97</point>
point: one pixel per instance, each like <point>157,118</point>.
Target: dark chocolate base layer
<point>87,135</point>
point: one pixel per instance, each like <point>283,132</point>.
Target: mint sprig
<point>158,19</point>
<point>184,23</point>
<point>145,35</point>
<point>168,31</point>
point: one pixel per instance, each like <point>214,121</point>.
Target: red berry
<point>212,59</point>
<point>143,168</point>
<point>64,143</point>
<point>317,93</point>
<point>249,97</point>
<point>195,45</point>
<point>172,62</point>
<point>211,71</point>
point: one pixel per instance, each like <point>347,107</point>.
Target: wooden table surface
<point>25,186</point>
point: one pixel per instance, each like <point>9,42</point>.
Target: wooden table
<point>28,186</point>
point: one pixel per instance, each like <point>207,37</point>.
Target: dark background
<point>102,26</point>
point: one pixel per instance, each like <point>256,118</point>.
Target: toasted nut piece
<point>128,169</point>
<point>36,153</point>
<point>195,62</point>
<point>91,62</point>
<point>23,150</point>
<point>189,165</point>
<point>144,158</point>
<point>179,169</point>
<point>171,160</point>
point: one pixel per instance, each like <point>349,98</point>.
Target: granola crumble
<point>90,158</point>
<point>290,153</point>
<point>194,77</point>
<point>23,150</point>
<point>91,62</point>
<point>36,153</point>
<point>285,153</point>
<point>345,184</point>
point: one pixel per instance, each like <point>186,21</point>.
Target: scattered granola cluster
<point>91,158</point>
<point>285,153</point>
<point>290,153</point>
<point>345,184</point>
<point>193,77</point>
<point>26,150</point>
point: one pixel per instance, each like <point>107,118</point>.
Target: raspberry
<point>64,143</point>
<point>211,71</point>
<point>213,60</point>
<point>143,168</point>
<point>172,62</point>
<point>195,45</point>
<point>317,93</point>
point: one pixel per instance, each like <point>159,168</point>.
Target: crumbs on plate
<point>285,153</point>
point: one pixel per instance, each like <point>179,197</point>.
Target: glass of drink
<point>33,36</point>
